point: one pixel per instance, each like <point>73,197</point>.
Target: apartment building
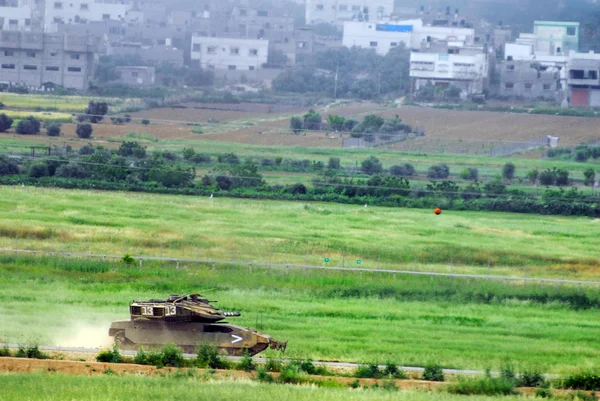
<point>465,67</point>
<point>413,34</point>
<point>337,11</point>
<point>584,79</point>
<point>137,75</point>
<point>234,54</point>
<point>34,59</point>
<point>58,12</point>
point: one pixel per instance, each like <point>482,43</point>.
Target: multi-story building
<point>413,34</point>
<point>137,75</point>
<point>234,54</point>
<point>34,59</point>
<point>525,74</point>
<point>465,67</point>
<point>584,79</point>
<point>554,37</point>
<point>337,11</point>
<point>17,15</point>
<point>82,11</point>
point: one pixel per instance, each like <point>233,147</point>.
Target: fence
<point>214,262</point>
<point>513,147</point>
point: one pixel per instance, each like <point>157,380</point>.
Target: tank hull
<point>149,334</point>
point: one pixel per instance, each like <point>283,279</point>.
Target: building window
<point>74,69</point>
<point>196,47</point>
<point>210,66</point>
<point>343,7</point>
<point>593,74</point>
<point>510,67</point>
<point>394,44</point>
<point>83,6</point>
<point>30,54</point>
<point>528,85</point>
<point>8,66</point>
<point>211,49</point>
<point>253,52</point>
<point>58,6</point>
<point>252,68</point>
<point>302,45</point>
<point>509,58</point>
<point>234,50</point>
<point>373,44</point>
<point>105,16</point>
<point>262,13</point>
<point>52,68</point>
<point>320,7</point>
<point>547,87</point>
<point>509,85</point>
<point>13,22</point>
<point>355,8</point>
<point>243,12</point>
<point>232,67</point>
<point>52,54</point>
<point>30,67</point>
<point>9,53</point>
<point>571,31</point>
<point>27,22</point>
<point>134,74</point>
<point>75,56</point>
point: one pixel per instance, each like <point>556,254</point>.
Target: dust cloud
<point>85,335</point>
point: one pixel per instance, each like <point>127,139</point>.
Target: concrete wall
<point>336,11</point>
<point>16,18</point>
<point>229,53</point>
<point>556,37</point>
<point>137,76</point>
<point>75,11</point>
<point>520,79</point>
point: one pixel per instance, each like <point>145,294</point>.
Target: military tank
<point>188,321</point>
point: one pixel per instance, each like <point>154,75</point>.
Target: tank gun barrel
<point>232,314</point>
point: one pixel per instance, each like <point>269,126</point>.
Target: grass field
<point>40,115</point>
<point>70,104</point>
<point>26,388</point>
<point>262,231</point>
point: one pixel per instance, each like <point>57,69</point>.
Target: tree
<point>372,165</point>
<point>145,121</point>
<point>312,121</point>
<point>276,58</point>
<point>96,111</point>
<point>508,171</point>
<point>590,176</point>
<point>132,149</point>
<point>334,163</point>
<point>245,175</point>
<point>8,166</point>
<point>372,123</point>
<point>532,175</point>
<point>28,126</point>
<point>72,171</point>
<point>469,174</point>
<point>84,130</point>
<point>336,122</point>
<point>188,153</point>
<point>199,77</point>
<point>562,177</point>
<point>53,129</point>
<point>38,170</point>
<point>440,171</point>
<point>229,158</point>
<point>404,170</point>
<point>296,124</point>
<point>5,122</point>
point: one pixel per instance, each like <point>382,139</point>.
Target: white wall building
<point>465,68</point>
<point>413,34</point>
<point>17,17</point>
<point>336,11</point>
<point>82,11</point>
<point>229,53</point>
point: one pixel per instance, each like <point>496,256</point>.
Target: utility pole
<point>337,68</point>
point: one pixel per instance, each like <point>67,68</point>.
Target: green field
<point>324,315</point>
<point>298,233</point>
<point>67,104</point>
<point>105,388</point>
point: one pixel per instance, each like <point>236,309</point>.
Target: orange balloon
<point>437,211</point>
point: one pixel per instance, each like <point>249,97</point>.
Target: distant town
<point>46,44</point>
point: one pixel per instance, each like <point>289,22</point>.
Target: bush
<point>72,171</point>
<point>145,121</point>
<point>201,158</point>
<point>562,177</point>
<point>433,372</point>
<point>404,170</point>
<point>469,174</point>
<point>8,166</point>
<point>547,177</point>
<point>370,371</point>
<point>4,351</point>
<point>391,370</point>
<point>590,177</point>
<point>229,158</point>
<point>148,358</point>
<point>53,129</point>
<point>172,356</point>
<point>544,391</point>
<point>372,165</point>
<point>532,175</point>
<point>584,380</point>
<point>84,130</point>
<point>440,172</point>
<point>273,365</point>
<point>292,374</point>
<point>263,377</point>
<point>188,153</point>
<point>39,170</point>
<point>508,171</point>
<point>208,357</point>
<point>334,163</point>
<point>246,363</point>
<point>531,378</point>
<point>132,149</point>
<point>110,356</point>
<point>28,126</point>
<point>296,124</point>
<point>486,385</point>
<point>96,111</point>
<point>5,122</point>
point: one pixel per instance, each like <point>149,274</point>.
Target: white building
<point>82,11</point>
<point>466,68</point>
<point>17,16</point>
<point>413,34</point>
<point>229,53</point>
<point>584,79</point>
<point>336,11</point>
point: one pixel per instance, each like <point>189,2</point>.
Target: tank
<point>188,321</point>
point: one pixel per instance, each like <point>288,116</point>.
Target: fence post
<point>140,263</point>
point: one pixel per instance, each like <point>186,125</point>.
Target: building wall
<point>16,18</point>
<point>75,11</point>
<point>229,53</point>
<point>520,79</point>
<point>468,72</point>
<point>556,37</point>
<point>137,76</point>
<point>33,59</point>
<point>335,11</point>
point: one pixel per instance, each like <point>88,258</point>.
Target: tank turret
<point>188,321</point>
